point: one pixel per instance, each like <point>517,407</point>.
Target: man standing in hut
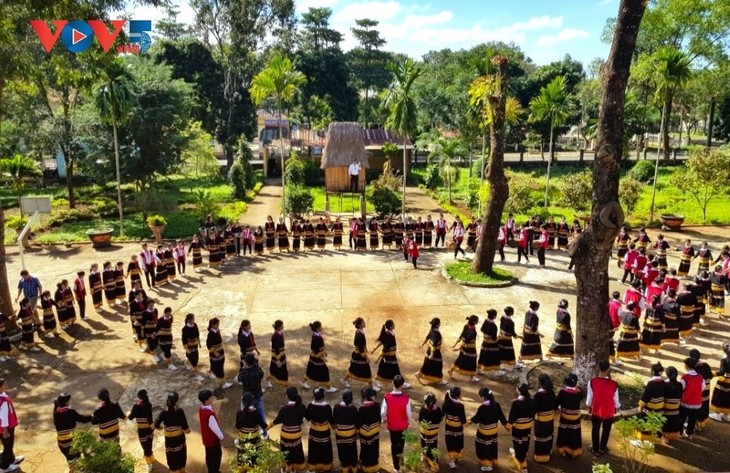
<point>354,171</point>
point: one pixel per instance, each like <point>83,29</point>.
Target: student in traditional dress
<point>230,241</point>
<point>717,288</point>
<point>428,228</point>
<point>179,255</point>
<point>149,326</point>
<point>454,430</point>
<point>720,402</point>
<point>119,277</point>
<point>191,341</point>
<point>373,230</point>
<point>418,228</point>
<point>702,289</point>
<point>246,240</point>
<point>458,236</point>
<point>317,370</point>
<point>291,416</point>
<point>270,232</point>
<point>134,271</point>
<point>68,296</point>
<point>65,419</point>
<point>136,313</point>
<point>49,318</point>
<point>196,249</point>
<point>506,334</point>
<point>308,235</point>
<point>386,229</point>
<point>652,399</point>
<point>410,227</point>
<point>170,261</point>
<point>704,370</point>
<point>685,260</point>
<point>361,237</point>
<point>258,238</point>
<point>246,340</point>
<point>563,230</point>
<point>519,422</point>
<point>487,419</point>
<point>642,240</point>
<point>161,266</point>
<point>433,364</point>
<point>110,283</point>
<point>653,330</point>
<point>61,306</point>
<point>321,231</point>
<point>249,425</point>
<point>466,362</point>
<point>176,426</point>
<point>628,263</point>
<point>687,301</point>
<point>398,229</point>
<point>628,338</point>
<point>7,350</point>
<point>337,231</point>
<point>368,426</point>
<point>214,343</point>
<point>319,445</point>
<point>282,234</point>
<point>214,254</point>
<point>569,439</point>
<point>672,400</point>
<point>489,353</point>
<point>359,368</point>
<point>164,337</point>
<point>142,413</point>
<point>672,314</point>
<point>344,423</point>
<point>429,421</point>
<point>705,256</point>
<point>278,371</point>
<point>107,416</point>
<point>95,286</point>
<point>296,235</point>
<point>531,348</point>
<point>661,251</point>
<point>562,345</point>
<point>388,367</point>
<point>622,245</point>
<point>27,325</point>
<point>237,229</point>
<point>545,404</point>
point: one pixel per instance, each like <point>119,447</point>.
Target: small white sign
<point>31,204</point>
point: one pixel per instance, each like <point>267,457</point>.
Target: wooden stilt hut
<point>343,145</point>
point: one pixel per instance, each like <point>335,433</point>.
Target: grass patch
<point>462,272</point>
<point>350,202</point>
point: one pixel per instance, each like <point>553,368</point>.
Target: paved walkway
<point>333,287</point>
<point>267,202</point>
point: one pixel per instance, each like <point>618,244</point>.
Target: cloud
<point>538,23</point>
<point>565,35</point>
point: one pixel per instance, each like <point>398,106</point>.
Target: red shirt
<point>629,259</point>
<point>639,263</point>
<point>692,395</point>
<point>602,405</point>
<point>210,439</point>
<point>413,250</point>
<point>79,289</point>
<point>397,413</point>
<point>613,308</point>
<point>522,243</point>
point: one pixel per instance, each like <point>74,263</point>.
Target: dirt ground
<point>331,286</point>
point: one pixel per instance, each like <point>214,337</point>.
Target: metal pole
<point>21,237</point>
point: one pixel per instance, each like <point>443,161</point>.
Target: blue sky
<point>545,29</point>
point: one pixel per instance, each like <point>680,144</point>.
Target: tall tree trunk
<point>710,121</point>
<point>281,150</point>
<point>665,134</point>
<point>119,179</point>
<point>662,127</point>
<point>550,160</point>
<point>403,204</point>
<point>70,179</point>
<point>6,301</point>
<point>498,186</point>
<point>593,250</point>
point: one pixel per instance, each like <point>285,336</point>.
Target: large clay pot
<point>671,221</point>
<point>157,232</point>
<point>100,238</point>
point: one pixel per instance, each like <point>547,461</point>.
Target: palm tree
<point>114,104</point>
<point>401,105</point>
<point>670,69</point>
<point>447,150</point>
<point>552,104</point>
<point>281,81</point>
<point>17,169</point>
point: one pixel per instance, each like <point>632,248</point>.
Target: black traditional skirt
<point>628,342</point>
<point>432,369</point>
<point>562,345</point>
<point>388,366</point>
<point>359,368</point>
<point>489,355</point>
<point>317,370</point>
<point>544,426</point>
<point>720,402</point>
<point>466,362</point>
<point>506,350</point>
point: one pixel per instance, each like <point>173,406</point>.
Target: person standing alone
<point>8,423</point>
<point>602,401</point>
<point>354,171</point>
<point>396,411</point>
<point>211,432</point>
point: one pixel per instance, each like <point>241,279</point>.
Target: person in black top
<point>519,422</point>
<point>142,412</point>
<point>64,420</point>
<point>107,416</point>
<point>487,419</point>
<point>429,420</point>
<point>248,422</point>
<point>368,427</point>
<point>250,378</point>
<point>191,342</point>
<point>291,416</point>
<point>454,431</point>
<point>176,426</point>
<point>344,420</point>
<point>319,415</point>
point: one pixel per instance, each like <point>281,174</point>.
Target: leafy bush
<point>64,216</point>
<point>302,171</point>
<point>576,190</point>
<point>99,456</point>
<point>156,221</point>
<point>477,191</point>
<point>232,212</point>
<point>629,191</point>
<point>237,179</point>
<point>298,200</point>
<point>153,201</point>
<point>477,167</point>
<point>104,206</point>
<point>204,203</point>
<point>643,171</point>
<point>432,178</point>
<point>520,199</point>
<point>262,457</point>
<point>636,454</point>
<point>385,200</point>
<point>414,456</point>
<point>16,222</point>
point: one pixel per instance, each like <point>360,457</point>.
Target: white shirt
<point>213,423</point>
<point>384,407</point>
<point>4,412</point>
<point>354,169</point>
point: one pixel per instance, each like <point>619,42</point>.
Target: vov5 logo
<point>78,35</point>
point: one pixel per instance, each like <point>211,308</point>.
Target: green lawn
<point>173,198</point>
<point>350,202</point>
<point>462,272</point>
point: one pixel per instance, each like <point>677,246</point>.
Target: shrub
<point>204,203</point>
<point>298,200</point>
<point>245,156</point>
<point>643,171</point>
<point>259,458</point>
<point>629,191</point>
<point>232,212</point>
<point>520,199</point>
<point>576,190</point>
<point>16,222</point>
<point>104,206</point>
<point>477,191</point>
<point>150,201</point>
<point>237,179</point>
<point>302,171</point>
<point>64,216</point>
<point>477,167</point>
<point>432,178</point>
<point>97,455</point>
<point>385,200</point>
<point>636,454</point>
<point>156,221</point>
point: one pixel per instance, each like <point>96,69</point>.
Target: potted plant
<point>18,223</point>
<point>671,221</point>
<point>100,237</point>
<point>157,224</point>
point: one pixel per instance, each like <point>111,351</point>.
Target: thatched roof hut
<point>344,143</point>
